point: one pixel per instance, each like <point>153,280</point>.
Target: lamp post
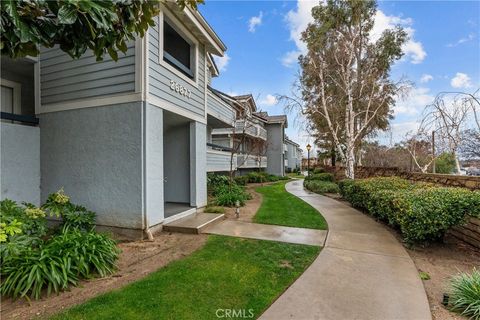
<point>308,159</point>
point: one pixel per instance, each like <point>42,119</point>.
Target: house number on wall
<point>178,88</point>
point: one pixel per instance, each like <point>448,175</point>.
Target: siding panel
<point>63,78</point>
<point>160,76</point>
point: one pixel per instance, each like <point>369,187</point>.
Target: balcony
<point>218,158</point>
<point>244,126</point>
<point>251,161</point>
<point>220,114</point>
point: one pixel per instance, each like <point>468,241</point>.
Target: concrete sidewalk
<point>258,231</point>
<point>362,273</point>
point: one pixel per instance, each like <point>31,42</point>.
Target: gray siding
<point>159,78</point>
<point>20,163</point>
<point>220,161</point>
<point>95,154</point>
<point>220,109</point>
<point>64,79</point>
<point>275,137</point>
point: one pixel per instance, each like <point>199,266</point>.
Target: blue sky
<point>262,38</point>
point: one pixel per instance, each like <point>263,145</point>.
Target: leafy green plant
<point>318,170</point>
<point>321,176</point>
<point>465,294</point>
<point>320,186</point>
<point>241,180</point>
<point>229,195</point>
<point>424,275</point>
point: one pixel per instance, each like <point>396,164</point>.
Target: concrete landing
<point>194,223</point>
<point>363,272</point>
<point>249,230</point>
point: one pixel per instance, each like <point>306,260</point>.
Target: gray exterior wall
<point>95,154</point>
<point>292,156</point>
<point>220,110</point>
<point>159,78</point>
<point>154,184</point>
<point>20,163</point>
<point>198,164</point>
<point>64,79</point>
<point>275,159</point>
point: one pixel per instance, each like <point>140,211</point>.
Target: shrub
<point>241,180</point>
<point>320,186</point>
<point>216,180</point>
<point>321,177</point>
<point>229,195</point>
<point>421,211</point>
<point>465,294</point>
<point>318,170</point>
<point>257,177</point>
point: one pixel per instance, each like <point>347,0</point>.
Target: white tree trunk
<point>350,162</point>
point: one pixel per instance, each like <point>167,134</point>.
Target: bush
<point>229,195</point>
<point>321,177</point>
<point>465,294</point>
<point>319,186</point>
<point>35,258</point>
<point>216,180</point>
<point>214,209</point>
<point>422,212</point>
<point>241,180</point>
<point>318,170</point>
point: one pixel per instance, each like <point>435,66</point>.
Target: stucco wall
<point>275,163</point>
<point>20,162</point>
<point>154,201</point>
<point>95,154</point>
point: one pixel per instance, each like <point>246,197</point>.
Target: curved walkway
<point>362,273</point>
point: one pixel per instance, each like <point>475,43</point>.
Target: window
<point>177,51</point>
<point>10,96</point>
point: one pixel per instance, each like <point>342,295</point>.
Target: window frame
<point>17,94</point>
<point>175,24</point>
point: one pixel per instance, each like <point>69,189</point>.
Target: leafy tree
<point>76,25</point>
<point>345,75</point>
<point>445,163</point>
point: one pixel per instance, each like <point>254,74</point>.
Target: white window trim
<point>177,25</point>
<point>17,94</point>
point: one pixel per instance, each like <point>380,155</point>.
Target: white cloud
<point>414,103</point>
<point>222,62</point>
<point>255,21</point>
<point>425,78</point>
<point>468,38</point>
<point>413,49</point>
<point>269,100</point>
<point>401,129</point>
<point>290,58</point>
<point>461,80</point>
<point>299,19</point>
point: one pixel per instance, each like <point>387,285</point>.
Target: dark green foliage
<point>321,177</point>
<point>75,25</point>
<point>261,177</point>
<point>421,211</point>
<point>318,170</point>
<point>216,180</point>
<point>35,258</point>
<point>228,195</point>
<point>445,163</point>
<point>465,294</point>
<point>241,180</point>
<point>320,186</point>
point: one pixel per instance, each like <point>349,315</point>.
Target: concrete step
<point>194,223</point>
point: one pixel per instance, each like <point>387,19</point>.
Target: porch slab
<point>268,232</point>
<point>194,223</point>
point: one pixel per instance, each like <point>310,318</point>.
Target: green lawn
<point>227,273</point>
<point>282,208</point>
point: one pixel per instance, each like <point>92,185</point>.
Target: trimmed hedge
<point>321,176</point>
<point>319,186</point>
<point>422,212</point>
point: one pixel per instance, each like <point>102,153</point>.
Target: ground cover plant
<point>227,273</point>
<point>282,208</point>
<point>465,294</point>
<point>37,258</point>
<point>421,211</point>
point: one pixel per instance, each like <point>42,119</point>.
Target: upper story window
<point>177,50</point>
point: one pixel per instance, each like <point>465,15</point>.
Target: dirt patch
<point>442,261</point>
<point>248,211</point>
<point>137,260</point>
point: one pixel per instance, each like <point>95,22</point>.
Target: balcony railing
<point>31,120</point>
<point>248,127</point>
<point>251,161</point>
<point>219,157</point>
